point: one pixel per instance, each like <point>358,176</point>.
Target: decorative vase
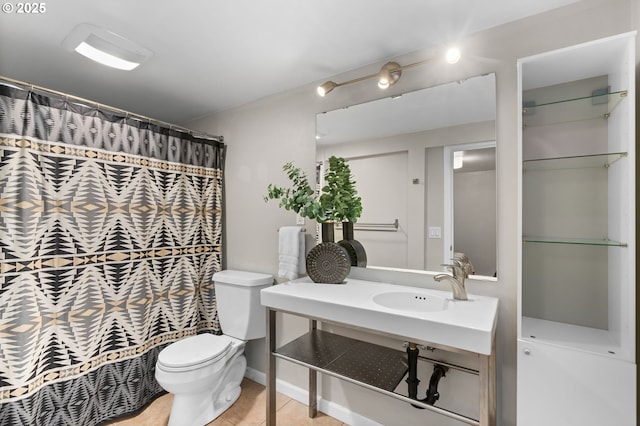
<point>355,250</point>
<point>328,262</point>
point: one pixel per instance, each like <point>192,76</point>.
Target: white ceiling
<point>212,55</point>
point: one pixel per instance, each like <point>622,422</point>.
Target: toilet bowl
<point>204,374</point>
<point>204,371</point>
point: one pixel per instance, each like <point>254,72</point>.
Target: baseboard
<point>301,395</point>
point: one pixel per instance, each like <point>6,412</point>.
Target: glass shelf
<point>570,110</point>
<point>573,162</point>
<point>573,241</point>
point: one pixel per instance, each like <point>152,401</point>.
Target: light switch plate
<point>435,232</point>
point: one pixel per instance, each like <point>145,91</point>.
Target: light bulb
<point>389,74</point>
<point>326,87</point>
<point>453,55</point>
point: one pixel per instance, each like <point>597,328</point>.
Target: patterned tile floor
<point>248,410</point>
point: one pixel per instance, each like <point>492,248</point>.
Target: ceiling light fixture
<point>106,47</point>
<point>389,74</point>
<point>326,87</point>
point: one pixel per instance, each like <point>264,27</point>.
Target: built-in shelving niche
<point>576,286</point>
<point>570,215</point>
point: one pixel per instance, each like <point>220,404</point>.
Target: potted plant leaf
<point>341,202</point>
<point>300,197</point>
<point>339,198</point>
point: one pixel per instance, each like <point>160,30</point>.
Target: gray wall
<point>263,135</point>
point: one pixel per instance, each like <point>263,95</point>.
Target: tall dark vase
<point>328,232</point>
<point>355,250</point>
<point>328,262</point>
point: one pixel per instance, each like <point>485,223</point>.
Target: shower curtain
<point>110,231</point>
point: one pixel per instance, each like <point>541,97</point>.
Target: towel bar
<point>389,227</point>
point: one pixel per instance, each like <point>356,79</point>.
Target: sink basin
<point>410,301</point>
<point>415,314</point>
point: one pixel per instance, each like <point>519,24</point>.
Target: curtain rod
<point>28,86</point>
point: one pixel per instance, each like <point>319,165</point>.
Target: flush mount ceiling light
<point>106,47</point>
<point>389,74</point>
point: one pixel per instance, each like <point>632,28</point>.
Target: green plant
<point>339,197</point>
<point>300,198</point>
<point>338,202</point>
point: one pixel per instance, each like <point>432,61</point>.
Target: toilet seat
<point>194,352</point>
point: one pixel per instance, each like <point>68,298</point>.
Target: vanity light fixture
<point>106,47</point>
<point>326,87</point>
<point>389,74</point>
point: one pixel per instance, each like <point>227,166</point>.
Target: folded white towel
<point>291,252</point>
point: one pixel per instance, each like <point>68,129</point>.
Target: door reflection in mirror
<point>470,200</point>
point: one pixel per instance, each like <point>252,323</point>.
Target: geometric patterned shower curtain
<point>110,231</point>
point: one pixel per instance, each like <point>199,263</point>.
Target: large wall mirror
<point>425,167</point>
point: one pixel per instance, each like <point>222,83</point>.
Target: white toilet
<point>204,371</point>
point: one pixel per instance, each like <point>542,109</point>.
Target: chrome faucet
<point>460,270</point>
<point>466,265</point>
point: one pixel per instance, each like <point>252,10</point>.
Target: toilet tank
<point>238,302</point>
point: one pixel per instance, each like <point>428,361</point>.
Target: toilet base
<point>225,401</point>
<point>198,409</point>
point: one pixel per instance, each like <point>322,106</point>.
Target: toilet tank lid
<point>242,278</point>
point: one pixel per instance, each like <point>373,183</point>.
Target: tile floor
<point>248,410</point>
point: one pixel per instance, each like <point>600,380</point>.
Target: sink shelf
<point>348,357</point>
<point>365,364</point>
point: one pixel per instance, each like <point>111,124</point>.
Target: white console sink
<point>414,302</point>
<point>416,314</point>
